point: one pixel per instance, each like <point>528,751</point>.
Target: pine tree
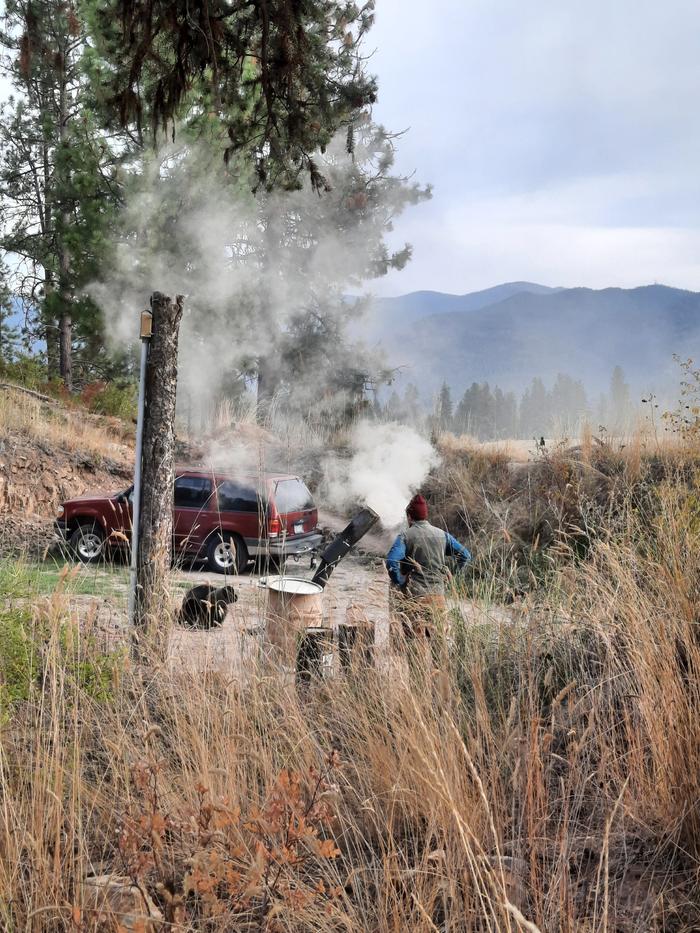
<point>535,415</point>
<point>505,414</point>
<point>279,78</point>
<point>327,246</point>
<point>509,417</point>
<point>56,188</point>
<point>394,409</point>
<point>479,411</point>
<point>465,414</point>
<point>444,411</point>
<point>619,398</point>
<point>412,403</point>
<point>287,262</point>
<point>487,413</point>
<point>568,404</point>
<point>280,89</point>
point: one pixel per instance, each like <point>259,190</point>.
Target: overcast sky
<point>562,138</point>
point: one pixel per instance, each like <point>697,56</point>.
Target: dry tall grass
<point>547,779</point>
<point>57,425</point>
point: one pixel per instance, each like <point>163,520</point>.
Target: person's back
<point>417,561</point>
<point>425,559</point>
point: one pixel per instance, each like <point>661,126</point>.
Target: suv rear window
<point>291,495</point>
<point>237,497</point>
<point>192,492</point>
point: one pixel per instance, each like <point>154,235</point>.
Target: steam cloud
<point>187,230</point>
<point>191,234</point>
<point>239,260</point>
<point>388,464</point>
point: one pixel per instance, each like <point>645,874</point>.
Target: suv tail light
<point>274,527</point>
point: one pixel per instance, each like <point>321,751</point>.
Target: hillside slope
<point>48,453</point>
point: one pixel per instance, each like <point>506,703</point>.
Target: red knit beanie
<point>417,508</point>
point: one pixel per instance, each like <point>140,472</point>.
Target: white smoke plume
<point>389,462</point>
<point>181,234</point>
<point>248,266</point>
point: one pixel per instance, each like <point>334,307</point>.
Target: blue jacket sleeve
<point>454,549</point>
<point>396,554</point>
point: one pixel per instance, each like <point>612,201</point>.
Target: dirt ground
<point>97,597</point>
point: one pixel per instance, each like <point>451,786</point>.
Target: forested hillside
<point>535,332</point>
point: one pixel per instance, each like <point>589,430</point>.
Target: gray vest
<point>425,544</point>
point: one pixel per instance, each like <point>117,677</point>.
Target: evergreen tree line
<point>488,413</point>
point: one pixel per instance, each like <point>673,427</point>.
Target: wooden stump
<point>356,638</point>
<point>314,659</point>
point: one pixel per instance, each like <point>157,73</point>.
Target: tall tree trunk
<point>65,321</point>
<point>65,344</point>
<point>44,188</point>
<point>50,334</point>
<point>49,330</point>
<point>155,541</point>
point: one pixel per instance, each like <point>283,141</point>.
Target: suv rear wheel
<point>226,553</point>
<point>87,543</point>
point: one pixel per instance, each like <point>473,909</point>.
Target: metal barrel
<point>292,606</point>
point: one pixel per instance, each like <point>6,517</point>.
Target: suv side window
<point>237,497</point>
<point>192,492</point>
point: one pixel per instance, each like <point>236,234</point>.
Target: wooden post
<point>151,620</point>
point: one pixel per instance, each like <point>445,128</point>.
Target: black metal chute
<point>341,545</point>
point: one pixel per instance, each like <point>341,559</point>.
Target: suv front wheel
<point>87,543</point>
<point>226,553</point>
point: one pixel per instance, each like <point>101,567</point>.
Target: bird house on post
<point>146,325</point>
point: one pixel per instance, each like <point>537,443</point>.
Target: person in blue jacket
<point>417,561</point>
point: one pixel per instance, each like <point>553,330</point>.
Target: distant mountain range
<point>416,305</point>
<point>508,334</point>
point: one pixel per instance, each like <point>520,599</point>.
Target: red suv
<point>226,519</point>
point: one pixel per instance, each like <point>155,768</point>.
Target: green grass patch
<point>31,645</point>
<point>19,658</point>
<point>20,579</point>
